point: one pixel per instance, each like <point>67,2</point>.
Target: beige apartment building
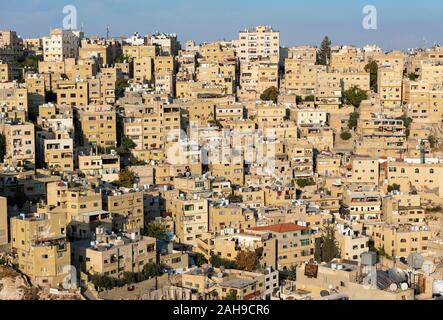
<point>258,42</point>
<point>389,84</point>
<point>424,101</point>
<point>328,165</point>
<point>72,93</point>
<point>300,77</point>
<point>97,125</point>
<point>381,136</point>
<point>60,44</point>
<point>306,54</point>
<point>328,90</point>
<point>143,69</point>
<point>402,208</point>
<point>112,255</point>
<point>345,58</point>
<point>35,83</point>
<point>5,72</point>
<point>104,166</point>
<point>351,242</point>
<point>190,218</point>
<point>423,178</point>
<point>13,97</point>
<point>400,240</point>
<point>41,247</point>
<point>4,227</point>
<point>126,207</point>
<point>343,280</point>
<point>223,217</point>
<point>362,204</point>
<point>74,201</point>
<point>365,170</point>
<point>20,144</point>
<point>59,154</point>
<point>294,244</point>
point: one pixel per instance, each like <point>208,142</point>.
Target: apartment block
<point>258,42</point>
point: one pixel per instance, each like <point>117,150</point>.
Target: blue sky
<point>401,24</point>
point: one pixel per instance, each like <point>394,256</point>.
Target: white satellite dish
<point>404,286</point>
<point>428,268</point>
<point>393,287</point>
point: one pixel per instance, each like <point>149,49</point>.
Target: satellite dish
<point>415,260</point>
<point>393,287</point>
<point>404,286</point>
<point>397,275</point>
<point>324,293</point>
<point>428,268</point>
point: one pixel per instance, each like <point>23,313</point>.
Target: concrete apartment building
<point>362,204</point>
<point>424,101</point>
<point>13,97</point>
<point>389,84</point>
<point>127,207</point>
<point>97,124</point>
<point>114,254</point>
<point>41,247</point>
<point>381,136</point>
<point>5,72</point>
<point>258,42</point>
<point>4,227</point>
<point>59,154</point>
<point>11,45</point>
<point>294,244</point>
<point>342,279</point>
<point>401,208</point>
<point>105,166</point>
<point>351,242</point>
<point>400,240</point>
<point>167,43</point>
<point>20,144</point>
<point>190,219</point>
<point>60,44</point>
<point>424,178</point>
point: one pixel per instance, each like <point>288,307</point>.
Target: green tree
<point>353,120</point>
<point>120,85</point>
<point>218,262</point>
<point>303,183</point>
<point>30,63</point>
<point>310,98</point>
<point>126,179</point>
<point>324,54</point>
<point>298,99</point>
<point>126,146</point>
<point>235,198</point>
<point>231,296</point>
<point>346,135</point>
<point>412,76</point>
<point>433,142</point>
<point>328,247</point>
<point>372,68</point>
<point>394,187</point>
<point>199,259</point>
<point>247,261</point>
<point>317,250</point>
<point>407,123</point>
<point>292,273</point>
<point>270,94</point>
<point>122,58</point>
<point>2,148</point>
<point>354,96</point>
<point>151,270</point>
<point>157,230</point>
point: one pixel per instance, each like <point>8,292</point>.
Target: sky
<point>401,24</point>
